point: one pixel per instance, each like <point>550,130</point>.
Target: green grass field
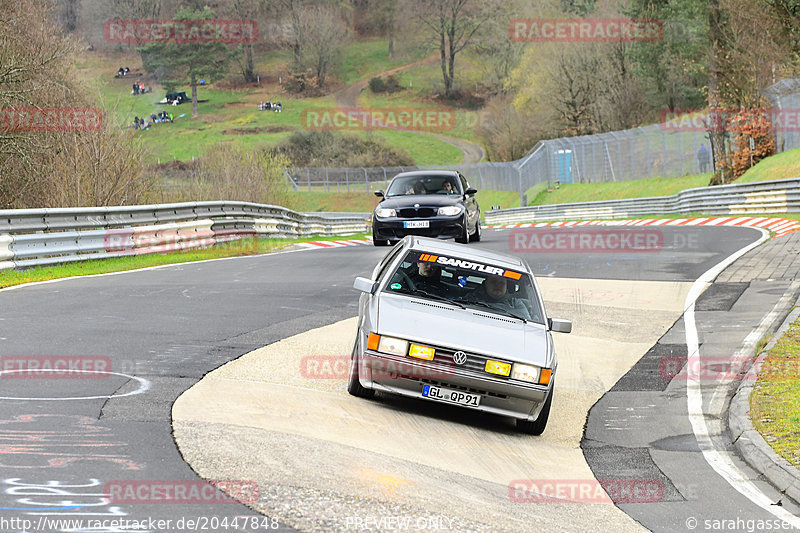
<point>588,192</point>
<point>232,116</point>
<point>775,401</point>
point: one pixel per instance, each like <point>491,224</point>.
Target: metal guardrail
<point>34,237</point>
<point>778,196</point>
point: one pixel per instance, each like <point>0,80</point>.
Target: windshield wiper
<point>499,309</point>
<point>434,297</point>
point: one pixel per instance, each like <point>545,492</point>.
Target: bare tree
<point>452,25</point>
<point>322,34</point>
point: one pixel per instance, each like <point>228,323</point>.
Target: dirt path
<point>348,98</point>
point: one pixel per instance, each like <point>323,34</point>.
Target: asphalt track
<point>160,330</point>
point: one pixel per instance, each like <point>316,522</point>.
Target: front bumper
<point>440,227</point>
<point>406,377</point>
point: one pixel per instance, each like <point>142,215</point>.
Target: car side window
<point>464,184</point>
<point>388,260</point>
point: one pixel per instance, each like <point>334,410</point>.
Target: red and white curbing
<point>334,244</point>
<point>780,226</point>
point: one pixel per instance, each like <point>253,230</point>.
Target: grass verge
<point>89,267</point>
<point>775,401</point>
<point>589,192</point>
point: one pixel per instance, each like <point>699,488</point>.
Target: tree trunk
<point>194,96</point>
<point>443,54</point>
<point>70,15</point>
<point>249,66</point>
<point>716,126</point>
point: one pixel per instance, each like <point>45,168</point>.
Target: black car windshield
<point>467,283</point>
<point>422,184</point>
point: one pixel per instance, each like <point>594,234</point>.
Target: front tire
<point>476,237</point>
<point>464,237</point>
<point>378,242</point>
<point>537,427</point>
<point>353,385</point>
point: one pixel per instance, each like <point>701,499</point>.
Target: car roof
<point>427,173</point>
<point>461,251</point>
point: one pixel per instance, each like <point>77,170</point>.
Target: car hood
<point>424,200</point>
<point>471,330</point>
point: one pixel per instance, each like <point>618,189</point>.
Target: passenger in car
<point>494,291</point>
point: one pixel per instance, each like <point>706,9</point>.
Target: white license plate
<point>451,396</point>
<point>417,224</point>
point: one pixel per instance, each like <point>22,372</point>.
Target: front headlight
<point>450,210</point>
<point>393,346</point>
<point>526,373</point>
<point>385,213</point>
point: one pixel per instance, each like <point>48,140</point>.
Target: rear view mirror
<point>559,325</point>
<point>365,285</point>
<point>470,191</point>
<point>378,193</point>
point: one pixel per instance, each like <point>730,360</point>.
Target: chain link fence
<point>676,147</point>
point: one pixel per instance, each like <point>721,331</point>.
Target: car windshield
<point>421,184</point>
<point>467,283</point>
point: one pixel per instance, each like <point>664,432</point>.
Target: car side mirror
<point>365,285</point>
<point>559,325</point>
<point>379,193</point>
<point>470,191</point>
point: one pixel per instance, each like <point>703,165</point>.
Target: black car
<point>427,203</point>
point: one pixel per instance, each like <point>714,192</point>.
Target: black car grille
<point>416,212</point>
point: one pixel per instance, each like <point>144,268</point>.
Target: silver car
<point>446,323</point>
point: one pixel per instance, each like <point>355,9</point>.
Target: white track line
<point>719,459</point>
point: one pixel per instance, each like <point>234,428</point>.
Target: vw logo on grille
<point>459,358</point>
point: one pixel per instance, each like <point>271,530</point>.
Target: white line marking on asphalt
<point>144,385</point>
<point>718,458</point>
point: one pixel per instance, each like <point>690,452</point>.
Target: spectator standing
<point>703,157</point>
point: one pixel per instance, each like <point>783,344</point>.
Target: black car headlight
<point>449,210</point>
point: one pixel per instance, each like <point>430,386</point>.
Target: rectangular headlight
<point>393,346</point>
<point>498,367</point>
<point>385,213</point>
<point>527,373</point>
<point>421,352</point>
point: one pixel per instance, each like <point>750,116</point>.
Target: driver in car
<point>428,277</point>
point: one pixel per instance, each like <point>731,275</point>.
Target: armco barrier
<point>32,237</point>
<point>778,196</point>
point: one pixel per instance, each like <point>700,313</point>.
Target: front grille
<point>475,363</point>
<point>416,212</point>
